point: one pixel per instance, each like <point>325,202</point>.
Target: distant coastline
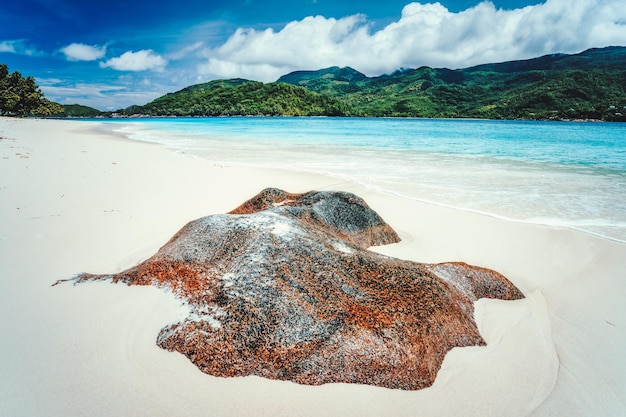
<point>112,116</point>
<point>589,86</point>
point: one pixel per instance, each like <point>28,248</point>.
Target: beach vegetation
<point>21,96</point>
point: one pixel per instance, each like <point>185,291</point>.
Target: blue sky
<point>112,54</point>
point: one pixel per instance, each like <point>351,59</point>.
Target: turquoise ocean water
<point>566,174</point>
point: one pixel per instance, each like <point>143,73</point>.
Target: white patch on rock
<point>451,275</point>
<point>210,314</point>
<point>342,247</point>
<point>282,203</point>
<point>281,229</point>
<point>228,279</point>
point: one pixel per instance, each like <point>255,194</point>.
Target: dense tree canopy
<point>78,110</point>
<point>20,96</point>
<point>589,85</point>
<point>241,98</point>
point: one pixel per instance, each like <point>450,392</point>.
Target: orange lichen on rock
<point>284,287</point>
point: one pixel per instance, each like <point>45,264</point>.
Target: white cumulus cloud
<point>19,47</point>
<point>7,46</point>
<point>82,52</point>
<point>425,34</point>
<point>143,60</point>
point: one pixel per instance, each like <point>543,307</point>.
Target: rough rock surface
<point>284,287</point>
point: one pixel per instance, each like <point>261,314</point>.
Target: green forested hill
<point>241,98</point>
<point>612,58</point>
<point>77,110</point>
<point>589,85</point>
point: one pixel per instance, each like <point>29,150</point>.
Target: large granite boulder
<point>284,287</point>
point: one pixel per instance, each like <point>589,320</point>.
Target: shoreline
<point>72,200</point>
<point>145,116</point>
<point>541,221</point>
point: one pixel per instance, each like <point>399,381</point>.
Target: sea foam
<point>559,173</point>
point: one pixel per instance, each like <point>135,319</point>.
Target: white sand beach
<point>76,198</point>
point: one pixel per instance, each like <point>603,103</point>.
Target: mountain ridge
<point>587,85</point>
